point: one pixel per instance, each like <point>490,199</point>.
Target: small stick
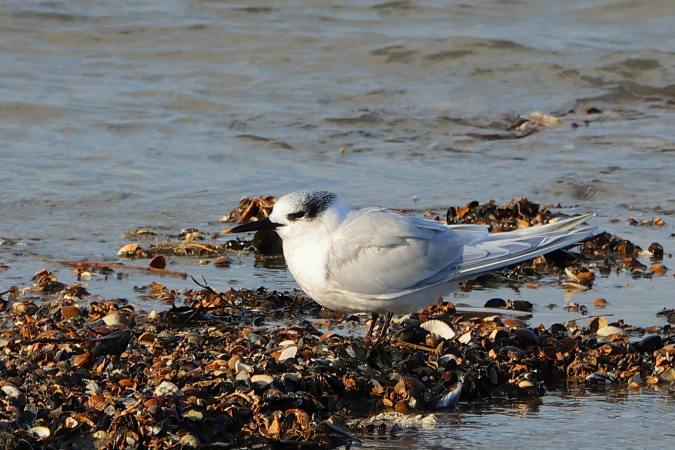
<point>99,265</point>
<point>63,340</point>
<point>414,346</point>
<point>591,317</point>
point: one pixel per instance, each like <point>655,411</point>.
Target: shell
<point>450,399</point>
<point>599,378</point>
<point>166,388</point>
<point>262,380</point>
<point>129,249</point>
<point>439,328</point>
<point>288,353</point>
<point>609,331</point>
<point>11,391</point>
<point>193,415</point>
<point>158,262</point>
<point>40,432</point>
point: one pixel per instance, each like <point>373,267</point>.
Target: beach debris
<point>653,222</point>
<point>536,120</point>
<point>250,208</point>
<point>209,370</point>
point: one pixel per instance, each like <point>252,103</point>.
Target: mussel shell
<point>649,344</point>
<point>495,303</point>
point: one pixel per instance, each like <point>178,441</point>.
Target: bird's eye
<point>295,215</point>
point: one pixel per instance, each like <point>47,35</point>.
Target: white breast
<point>306,260</point>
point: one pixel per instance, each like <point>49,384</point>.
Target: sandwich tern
<point>382,261</point>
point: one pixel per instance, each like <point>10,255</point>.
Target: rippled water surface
<point>117,114</point>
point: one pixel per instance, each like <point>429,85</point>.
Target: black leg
<point>373,320</point>
<point>385,326</point>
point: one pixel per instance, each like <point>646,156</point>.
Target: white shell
<point>288,353</point>
<point>608,331</point>
<point>11,391</point>
<point>465,338</point>
<point>439,328</point>
<point>113,319</point>
<point>239,366</point>
<point>243,375</point>
<point>262,380</point>
<point>193,415</point>
<point>166,388</point>
<point>40,432</point>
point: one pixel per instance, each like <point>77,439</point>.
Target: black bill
<point>265,224</point>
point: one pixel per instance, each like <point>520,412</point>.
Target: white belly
<point>403,304</point>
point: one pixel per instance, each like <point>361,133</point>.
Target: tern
<point>381,261</point>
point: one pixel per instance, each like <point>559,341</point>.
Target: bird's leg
<point>373,320</point>
<point>385,327</point>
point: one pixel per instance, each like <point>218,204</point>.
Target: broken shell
<point>11,391</point>
<point>656,250</point>
<point>464,338</point>
<point>244,376</point>
<point>597,323</point>
<point>147,338</point>
<point>512,322</point>
<point>114,319</point>
<point>450,399</point>
<point>599,302</point>
<point>262,380</point>
<point>189,441</point>
<point>668,375</point>
<point>288,353</point>
<point>193,415</point>
<point>40,432</point>
<point>495,303</point>
<point>598,378</point>
<point>543,119</point>
<point>129,249</point>
<point>239,366</point>
<point>649,344</point>
<point>286,343</point>
<point>158,262</point>
<point>166,388</point>
<point>222,262</point>
<point>439,328</point>
<point>609,331</point>
<point>84,275</point>
<point>659,269</point>
<point>71,423</point>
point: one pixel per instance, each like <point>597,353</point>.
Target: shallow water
<point>121,114</point>
<point>557,420</point>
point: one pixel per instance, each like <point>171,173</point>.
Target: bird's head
<point>293,213</point>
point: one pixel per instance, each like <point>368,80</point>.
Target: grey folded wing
<point>380,253</point>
